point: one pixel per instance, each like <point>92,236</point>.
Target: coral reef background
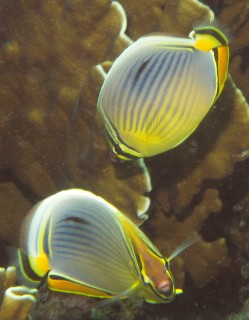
<point>51,139</point>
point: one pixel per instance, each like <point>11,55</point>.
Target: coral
<point>51,138</point>
<point>7,279</point>
<point>238,228</point>
<point>235,16</point>
<point>54,306</point>
<point>241,314</point>
<point>14,205</point>
<point>173,17</point>
<point>203,260</point>
<point>239,68</point>
<point>15,301</point>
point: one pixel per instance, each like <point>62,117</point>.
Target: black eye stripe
<point>117,148</point>
<point>167,264</point>
<point>213,32</point>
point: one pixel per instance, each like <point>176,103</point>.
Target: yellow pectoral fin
<point>40,265</point>
<point>179,291</point>
<point>57,282</point>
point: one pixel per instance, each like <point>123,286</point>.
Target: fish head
<point>157,279</point>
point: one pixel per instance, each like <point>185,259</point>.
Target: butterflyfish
<point>160,88</point>
<point>82,244</point>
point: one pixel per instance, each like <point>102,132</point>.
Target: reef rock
<point>62,306</point>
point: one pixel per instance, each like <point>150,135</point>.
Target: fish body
<point>160,88</point>
<point>86,246</point>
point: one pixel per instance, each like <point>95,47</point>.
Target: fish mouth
<point>165,286</point>
<point>165,289</point>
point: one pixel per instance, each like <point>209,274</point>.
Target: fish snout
<point>164,286</point>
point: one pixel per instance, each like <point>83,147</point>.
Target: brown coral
<point>51,140</point>
<point>235,16</point>
<point>173,17</point>
<point>49,88</point>
<point>238,230</point>
<point>203,260</point>
<point>15,301</point>
<point>11,198</point>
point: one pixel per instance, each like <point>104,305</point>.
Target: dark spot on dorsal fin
<point>140,70</point>
<point>76,220</point>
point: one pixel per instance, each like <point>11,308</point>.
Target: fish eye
<point>167,265</point>
<point>117,150</point>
